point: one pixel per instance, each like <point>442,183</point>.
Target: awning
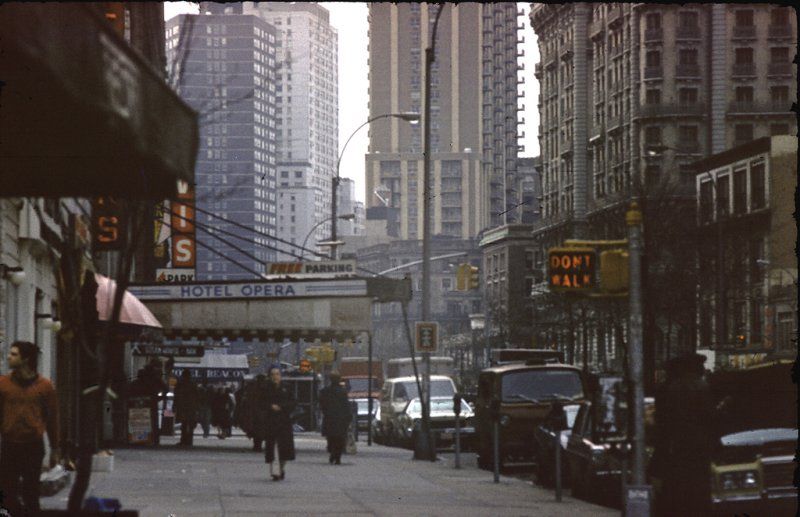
<point>132,312</point>
<point>82,113</point>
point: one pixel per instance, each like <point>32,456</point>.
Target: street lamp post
<point>408,117</point>
<point>423,447</point>
<point>345,217</point>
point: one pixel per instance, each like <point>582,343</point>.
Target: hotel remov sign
<point>572,269</point>
<point>250,290</point>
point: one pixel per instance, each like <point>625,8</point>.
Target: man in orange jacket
<point>28,408</point>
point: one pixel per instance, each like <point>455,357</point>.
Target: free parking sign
<point>427,336</point>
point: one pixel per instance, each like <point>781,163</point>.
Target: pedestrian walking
<point>279,404</point>
<point>29,409</point>
<point>230,407</point>
<point>684,438</point>
<point>186,407</point>
<point>220,412</point>
<point>336,417</point>
<point>204,409</point>
<point>257,410</point>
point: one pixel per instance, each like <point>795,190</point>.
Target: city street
<point>219,477</point>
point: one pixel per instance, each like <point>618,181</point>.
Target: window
<point>744,56</point>
<point>744,18</point>
<point>723,196</point>
<point>757,186</point>
<point>706,200</point>
<point>284,174</point>
<point>688,56</point>
<point>779,54</point>
<point>744,133</point>
<point>653,58</point>
<point>687,135</point>
<point>687,96</point>
<point>653,96</point>
<point>652,135</point>
<point>654,21</point>
<point>446,284</point>
<point>740,191</point>
<point>687,19</point>
<point>744,94</point>
<point>298,174</point>
<point>780,94</point>
<point>780,16</point>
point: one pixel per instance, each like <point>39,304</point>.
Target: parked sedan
<point>557,422</point>
<point>595,464</point>
<point>443,423</point>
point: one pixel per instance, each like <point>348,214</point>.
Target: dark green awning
<point>82,113</point>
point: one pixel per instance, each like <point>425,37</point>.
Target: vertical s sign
<point>183,232</point>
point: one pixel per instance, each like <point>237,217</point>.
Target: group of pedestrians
<point>265,413</point>
<point>207,406</point>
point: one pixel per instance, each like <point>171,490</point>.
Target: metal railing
<point>744,32</point>
<point>780,69</point>
<point>744,69</point>
<point>656,34</point>
<point>653,72</point>
<point>779,31</point>
<point>687,32</point>
<point>687,71</point>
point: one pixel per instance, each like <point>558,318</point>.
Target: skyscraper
<point>224,65</point>
<point>474,114</point>
<point>307,113</point>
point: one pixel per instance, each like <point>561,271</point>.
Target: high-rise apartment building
<point>473,111</point>
<point>307,102</point>
<point>224,65</point>
<point>635,92</point>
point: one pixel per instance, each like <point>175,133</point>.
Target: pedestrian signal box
<point>572,269</point>
<point>614,271</point>
<point>427,336</point>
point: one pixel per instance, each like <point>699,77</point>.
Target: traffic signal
<point>115,14</point>
<point>614,271</point>
<point>461,277</point>
<point>474,277</point>
<point>741,340</point>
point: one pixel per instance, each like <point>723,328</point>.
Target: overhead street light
<point>345,217</point>
<point>408,116</point>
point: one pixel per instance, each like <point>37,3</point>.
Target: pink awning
<point>133,311</point>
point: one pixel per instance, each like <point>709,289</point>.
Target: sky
<point>350,21</point>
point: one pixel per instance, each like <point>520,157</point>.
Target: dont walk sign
<point>572,269</point>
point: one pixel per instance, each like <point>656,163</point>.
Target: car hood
<point>746,446</point>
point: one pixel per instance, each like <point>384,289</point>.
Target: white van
<point>397,392</point>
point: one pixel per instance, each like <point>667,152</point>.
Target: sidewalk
<point>225,478</point>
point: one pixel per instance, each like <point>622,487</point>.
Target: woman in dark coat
<point>279,404</point>
<point>186,405</point>
<point>336,417</point>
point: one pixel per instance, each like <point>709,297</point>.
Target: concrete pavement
<point>225,478</point>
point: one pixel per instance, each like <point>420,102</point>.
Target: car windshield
<point>361,384</point>
<point>538,385</point>
<point>439,388</point>
<point>363,405</point>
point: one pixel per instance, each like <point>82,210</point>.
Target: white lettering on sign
<point>252,290</point>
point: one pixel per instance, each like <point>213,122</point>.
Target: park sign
<point>572,269</point>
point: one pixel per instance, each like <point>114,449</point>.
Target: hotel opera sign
<point>572,269</point>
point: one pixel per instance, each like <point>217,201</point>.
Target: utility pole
<point>634,221</point>
<point>423,448</point>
